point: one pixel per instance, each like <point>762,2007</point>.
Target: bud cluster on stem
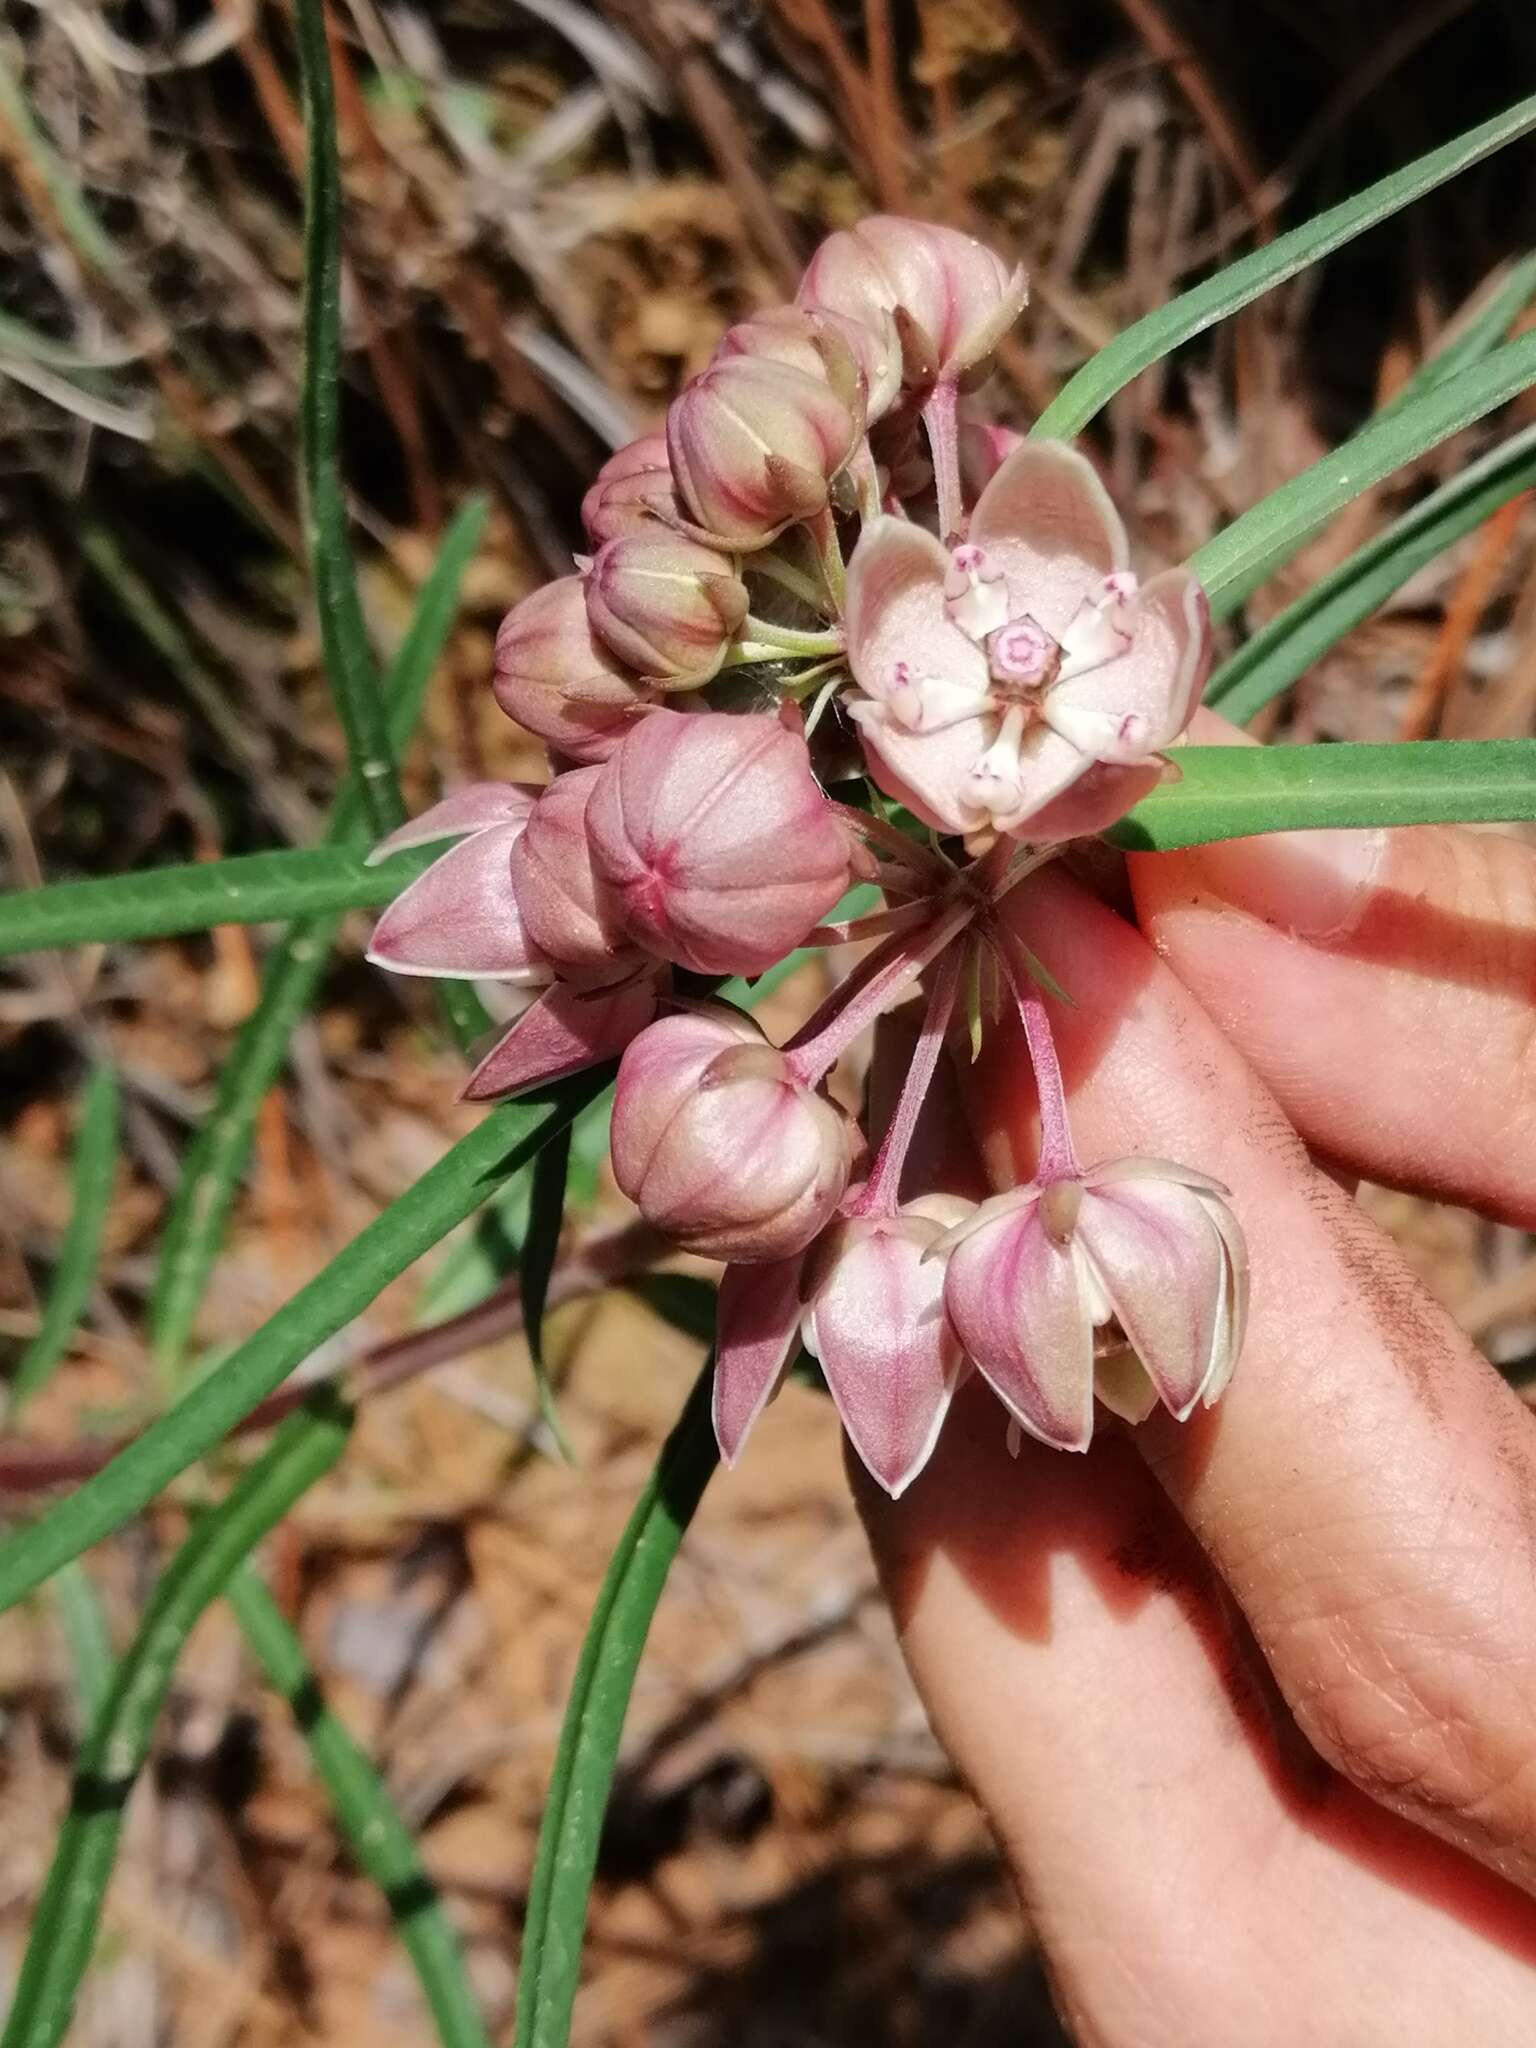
<point>828,575</point>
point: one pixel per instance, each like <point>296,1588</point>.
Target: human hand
<point>1251,1701</point>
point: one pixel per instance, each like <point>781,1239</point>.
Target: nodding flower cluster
<point>826,575</point>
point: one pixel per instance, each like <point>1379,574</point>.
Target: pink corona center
<point>1022,657</point>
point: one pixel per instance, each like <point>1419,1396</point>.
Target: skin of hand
<point>1251,1701</point>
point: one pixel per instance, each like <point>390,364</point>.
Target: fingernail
<point>1314,885</point>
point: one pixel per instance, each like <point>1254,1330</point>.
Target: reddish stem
<point>880,1193</point>
<point>28,1467</point>
<point>1058,1157</point>
<point>941,418</point>
<point>896,917</point>
<point>870,990</point>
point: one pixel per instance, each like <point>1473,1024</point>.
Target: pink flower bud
<point>667,605</point>
<point>1147,1251</point>
<point>632,491</point>
<point>554,677</point>
<point>821,345</point>
<point>563,912</point>
<point>755,446</point>
<point>461,918</point>
<point>716,841</point>
<point>875,1318</point>
<point>950,297</point>
<point>717,1143</point>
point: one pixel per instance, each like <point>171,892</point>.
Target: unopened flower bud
<point>667,605</point>
<point>557,679</point>
<point>716,840</point>
<point>717,1143</point>
<point>563,911</point>
<point>632,491</point>
<point>819,344</point>
<point>875,1318</point>
<point>755,446</point>
<point>1149,1252</point>
<point>949,296</point>
<point>461,918</point>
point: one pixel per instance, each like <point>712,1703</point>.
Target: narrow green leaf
<point>159,903</point>
<point>69,1911</point>
<point>482,1258</point>
<point>92,1175</point>
<point>349,663</point>
<point>541,1242</point>
<point>380,1839</point>
<point>291,974</point>
<point>84,1625</point>
<point>447,1193</point>
<point>221,1145</point>
<point>1287,646</point>
<point>485,1256</point>
<point>1231,792</point>
<point>1240,283</point>
<point>1481,335</point>
<point>594,1721</point>
<point>1244,554</point>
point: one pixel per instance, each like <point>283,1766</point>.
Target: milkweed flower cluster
<point>835,629</point>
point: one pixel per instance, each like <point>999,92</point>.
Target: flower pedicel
<point>826,574</point>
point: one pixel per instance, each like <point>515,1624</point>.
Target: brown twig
<point>888,130</point>
<point>34,1468</point>
<point>1468,602</point>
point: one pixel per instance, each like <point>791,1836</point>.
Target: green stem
<point>790,639</point>
<point>829,557</point>
<point>788,577</point>
<point>344,640</point>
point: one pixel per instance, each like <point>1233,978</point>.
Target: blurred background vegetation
<point>553,207</point>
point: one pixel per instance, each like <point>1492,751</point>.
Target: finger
<point>1383,984</point>
<point>1195,1876</point>
<point>1367,1487</point>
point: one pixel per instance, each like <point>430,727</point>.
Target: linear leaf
<point>594,1720</point>
<point>1231,792</point>
<point>349,664</point>
<point>1240,283</point>
<point>380,1839</point>
<point>159,903</point>
<point>448,1192</point>
<point>84,1626</point>
<point>291,974</point>
<point>69,1911</point>
<point>1253,547</point>
<point>92,1175</point>
<point>541,1241</point>
<point>1288,644</point>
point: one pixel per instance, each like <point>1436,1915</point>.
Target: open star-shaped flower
<point>1021,681</point>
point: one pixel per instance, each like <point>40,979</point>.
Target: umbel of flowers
<point>837,628</point>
